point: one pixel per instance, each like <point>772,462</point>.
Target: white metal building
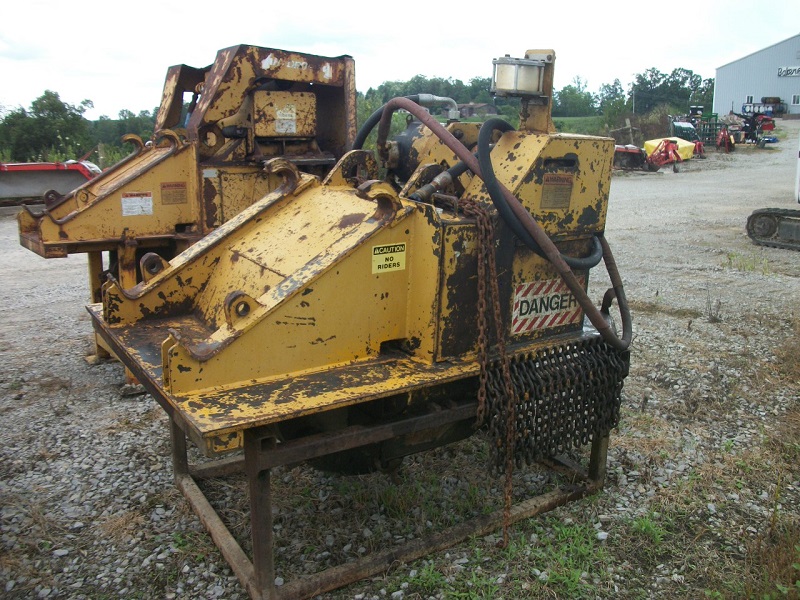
<point>773,72</point>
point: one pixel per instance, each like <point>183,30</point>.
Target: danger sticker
<point>544,304</point>
<point>137,204</point>
<point>389,257</point>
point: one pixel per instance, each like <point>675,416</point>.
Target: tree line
<point>53,130</point>
<point>677,90</point>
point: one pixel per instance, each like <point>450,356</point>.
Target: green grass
<point>580,125</point>
<point>428,579</point>
<point>749,263</point>
<point>567,559</point>
<point>650,529</point>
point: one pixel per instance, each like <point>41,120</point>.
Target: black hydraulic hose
<point>370,123</point>
<point>441,180</point>
<point>495,193</point>
<point>598,317</point>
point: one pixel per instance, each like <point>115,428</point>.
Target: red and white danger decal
<point>544,304</point>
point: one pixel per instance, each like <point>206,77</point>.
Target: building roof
<point>759,51</point>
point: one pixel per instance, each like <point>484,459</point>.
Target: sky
<point>116,54</point>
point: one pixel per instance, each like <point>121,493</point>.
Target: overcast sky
<point>116,54</point>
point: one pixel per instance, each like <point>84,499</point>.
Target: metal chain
<point>541,403</point>
<point>569,395</point>
<point>487,274</point>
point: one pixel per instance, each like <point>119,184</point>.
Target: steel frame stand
<point>261,454</point>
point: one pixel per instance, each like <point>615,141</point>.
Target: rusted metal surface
<point>567,187</point>
<point>222,88</point>
<point>180,79</point>
<point>187,181</point>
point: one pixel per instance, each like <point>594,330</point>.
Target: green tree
<point>574,100</point>
<point>477,90</point>
<point>703,94</point>
<point>678,90</point>
<point>612,102</point>
<point>49,130</point>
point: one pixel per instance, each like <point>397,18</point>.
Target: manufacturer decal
<point>389,257</point>
<point>137,204</point>
<point>544,304</point>
<point>270,62</point>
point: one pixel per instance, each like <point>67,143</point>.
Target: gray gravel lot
<point>87,504</point>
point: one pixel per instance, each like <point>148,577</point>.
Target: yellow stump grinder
<point>396,303</point>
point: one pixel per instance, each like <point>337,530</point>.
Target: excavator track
<point>775,227</point>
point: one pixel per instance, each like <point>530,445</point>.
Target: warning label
<point>286,121</point>
<point>137,204</point>
<point>544,304</point>
<point>556,190</point>
<point>174,193</point>
<point>389,257</point>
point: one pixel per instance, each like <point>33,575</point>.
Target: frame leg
<point>258,480</point>
<point>95,259</point>
<point>180,461</point>
<point>598,459</point>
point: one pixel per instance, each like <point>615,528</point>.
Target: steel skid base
<point>262,453</point>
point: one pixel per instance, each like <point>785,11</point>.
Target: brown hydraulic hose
<point>597,317</point>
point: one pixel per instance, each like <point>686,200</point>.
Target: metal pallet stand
<point>262,454</point>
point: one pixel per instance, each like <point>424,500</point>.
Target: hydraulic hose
<point>496,194</point>
<point>374,118</point>
<point>370,123</point>
<point>442,180</point>
<point>599,318</point>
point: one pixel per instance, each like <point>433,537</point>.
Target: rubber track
<point>775,242</point>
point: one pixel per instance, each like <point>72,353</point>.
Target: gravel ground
<point>703,471</point>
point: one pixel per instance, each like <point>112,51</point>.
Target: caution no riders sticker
<point>388,257</point>
<point>543,304</point>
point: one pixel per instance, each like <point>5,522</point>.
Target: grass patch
<point>649,529</point>
<point>580,125</point>
<point>572,560</point>
<point>122,525</point>
<point>748,263</point>
<point>657,307</point>
<point>429,579</point>
<point>546,557</point>
<point>773,566</point>
<point>196,545</point>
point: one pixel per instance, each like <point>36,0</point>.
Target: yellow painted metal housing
<point>328,293</point>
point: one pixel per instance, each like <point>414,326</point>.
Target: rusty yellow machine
<point>398,303</point>
<point>205,163</point>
